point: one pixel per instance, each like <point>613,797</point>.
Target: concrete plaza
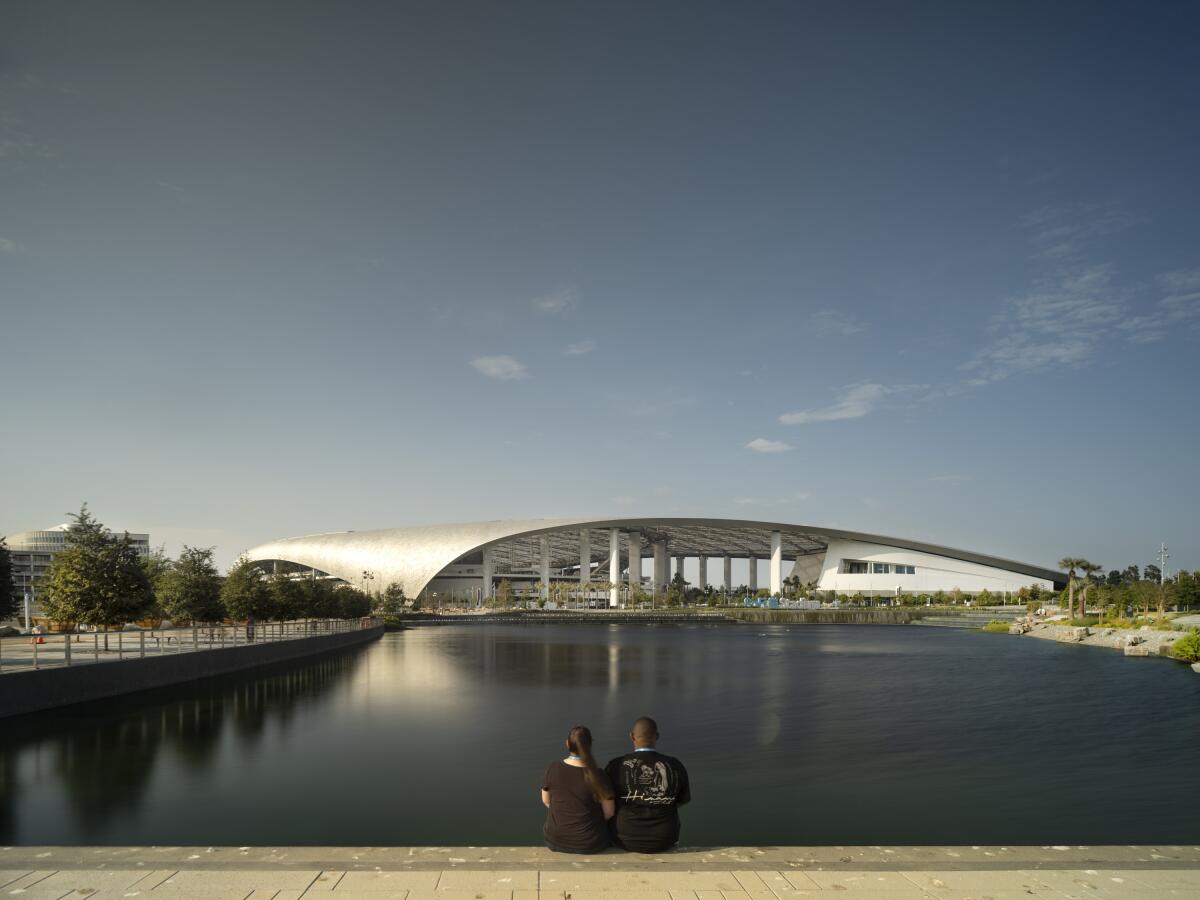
<point>526,873</point>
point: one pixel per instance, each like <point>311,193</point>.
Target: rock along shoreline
<point>1132,642</point>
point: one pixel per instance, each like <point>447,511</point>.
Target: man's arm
<point>685,787</point>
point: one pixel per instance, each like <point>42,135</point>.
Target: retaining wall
<point>869,616</point>
<point>34,690</point>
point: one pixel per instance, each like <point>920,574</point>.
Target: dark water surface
<point>792,735</point>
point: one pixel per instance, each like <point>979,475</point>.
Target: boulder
<point>1073,635</point>
<point>1196,668</point>
<point>1133,640</point>
<point>1145,648</point>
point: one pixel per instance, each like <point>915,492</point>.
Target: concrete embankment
<point>534,873</point>
<point>35,690</point>
<point>1132,642</point>
<point>869,616</point>
<point>726,615</point>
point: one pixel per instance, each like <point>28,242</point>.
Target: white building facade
<point>32,551</point>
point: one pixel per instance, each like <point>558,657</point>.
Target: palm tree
<point>1069,564</point>
<point>1089,569</point>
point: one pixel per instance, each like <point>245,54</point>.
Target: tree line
<point>1131,588</point>
<point>100,580</point>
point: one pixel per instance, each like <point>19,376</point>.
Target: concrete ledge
<point>34,690</point>
<point>688,859</point>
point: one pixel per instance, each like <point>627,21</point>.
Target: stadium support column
<point>585,558</point>
<point>660,566</point>
<point>488,569</point>
<point>614,567</point>
<point>635,563</point>
<point>703,580</point>
<point>752,583</point>
<point>679,566</point>
<point>776,563</point>
<point>544,568</point>
<point>728,574</point>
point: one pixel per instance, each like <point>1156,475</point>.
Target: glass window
<point>854,567</point>
<point>881,568</point>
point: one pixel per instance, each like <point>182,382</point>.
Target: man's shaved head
<point>645,732</point>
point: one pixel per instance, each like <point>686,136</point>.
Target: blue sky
<point>923,269</point>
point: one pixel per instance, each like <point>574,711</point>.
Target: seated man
<point>650,788</point>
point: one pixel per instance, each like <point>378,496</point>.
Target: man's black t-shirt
<point>650,787</point>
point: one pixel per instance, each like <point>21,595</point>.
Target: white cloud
<point>949,479</point>
<point>762,445</point>
<point>1180,306</point>
<point>831,323</point>
<point>585,346</point>
<point>1061,322</point>
<point>504,368</point>
<point>857,401</point>
<point>786,500</point>
<point>558,302</point>
<point>7,246</point>
<point>1063,233</point>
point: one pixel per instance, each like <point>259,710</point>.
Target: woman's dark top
<point>575,820</point>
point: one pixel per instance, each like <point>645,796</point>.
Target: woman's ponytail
<point>579,742</point>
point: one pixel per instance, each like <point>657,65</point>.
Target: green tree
<point>156,564</point>
<point>190,589</point>
<point>1089,570</point>
<point>1152,573</point>
<point>1069,564</point>
<point>984,598</point>
<point>97,579</point>
<point>353,603</point>
<point>246,593</point>
<point>288,600</point>
<point>393,600</point>
<point>504,593</point>
<point>8,596</point>
<point>1187,589</point>
<point>321,601</point>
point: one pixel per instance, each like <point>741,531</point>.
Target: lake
<point>791,735</point>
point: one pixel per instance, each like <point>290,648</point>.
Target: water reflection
<point>102,757</point>
<point>810,735</point>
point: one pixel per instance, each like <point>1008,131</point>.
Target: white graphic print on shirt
<point>648,785</point>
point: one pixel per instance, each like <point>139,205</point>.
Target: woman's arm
<point>609,807</point>
<point>546,799</point>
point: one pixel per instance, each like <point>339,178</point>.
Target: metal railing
<point>59,649</point>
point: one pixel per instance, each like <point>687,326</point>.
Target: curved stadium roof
<point>412,557</point>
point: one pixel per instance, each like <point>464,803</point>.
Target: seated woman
<point>579,798</point>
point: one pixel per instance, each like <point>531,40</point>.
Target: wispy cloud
<point>1062,233</point>
<point>504,368</point>
<point>1179,306</point>
<point>657,403</point>
<point>857,401</point>
<point>558,302</point>
<point>833,323</point>
<point>784,500</point>
<point>585,346</point>
<point>7,246</point>
<point>1061,322</point>
<point>949,479</point>
<point>762,445</point>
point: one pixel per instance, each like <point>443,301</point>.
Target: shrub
<point>1187,648</point>
<point>996,626</point>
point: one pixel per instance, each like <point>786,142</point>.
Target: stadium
<point>619,559</point>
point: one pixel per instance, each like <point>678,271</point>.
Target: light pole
<point>1163,556</point>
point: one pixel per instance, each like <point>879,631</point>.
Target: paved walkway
<point>524,873</point>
